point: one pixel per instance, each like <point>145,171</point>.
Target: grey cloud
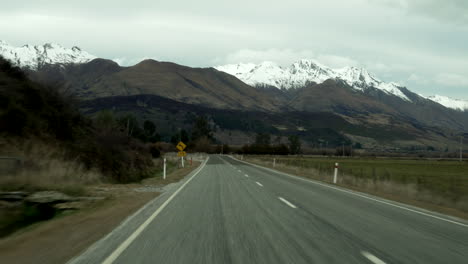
<point>393,38</point>
<point>453,11</point>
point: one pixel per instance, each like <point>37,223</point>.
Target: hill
<point>102,78</point>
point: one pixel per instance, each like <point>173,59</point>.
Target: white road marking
<point>259,184</point>
<point>246,175</point>
<point>360,195</point>
<point>118,251</point>
<point>287,202</point>
<point>372,258</point>
<point>239,170</point>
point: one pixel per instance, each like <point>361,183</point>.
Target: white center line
<point>287,202</point>
<point>259,184</point>
<point>246,175</point>
<point>372,258</point>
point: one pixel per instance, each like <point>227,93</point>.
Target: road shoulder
<point>60,239</point>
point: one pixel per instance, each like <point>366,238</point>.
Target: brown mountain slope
<point>334,96</point>
<point>204,86</point>
<point>375,106</point>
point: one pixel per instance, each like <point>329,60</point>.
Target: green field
<point>448,179</point>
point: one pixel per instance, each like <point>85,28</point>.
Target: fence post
<point>274,162</point>
<point>335,176</point>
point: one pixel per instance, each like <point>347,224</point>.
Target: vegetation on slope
<point>31,113</point>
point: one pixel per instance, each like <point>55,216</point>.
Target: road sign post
<point>335,176</point>
<point>181,146</point>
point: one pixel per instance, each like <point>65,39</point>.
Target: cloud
<point>335,61</point>
<point>453,11</point>
<point>124,61</point>
<point>451,79</point>
<point>281,56</point>
<point>391,38</point>
<point>285,57</point>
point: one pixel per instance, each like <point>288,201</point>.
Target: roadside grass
<point>44,170</point>
<point>174,173</point>
<point>86,225</point>
<point>438,182</point>
<point>44,167</point>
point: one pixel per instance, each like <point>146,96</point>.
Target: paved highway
<point>232,212</point>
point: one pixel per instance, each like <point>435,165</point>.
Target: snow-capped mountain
<point>456,104</point>
<point>34,57</point>
<point>303,72</point>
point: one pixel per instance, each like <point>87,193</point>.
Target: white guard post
<point>335,176</point>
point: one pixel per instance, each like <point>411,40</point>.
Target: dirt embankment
<point>60,239</point>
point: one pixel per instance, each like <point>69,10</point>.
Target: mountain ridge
<point>267,74</point>
<point>370,111</point>
<point>303,72</point>
<point>34,57</point>
<point>456,104</point>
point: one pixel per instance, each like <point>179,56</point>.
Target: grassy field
<point>440,182</point>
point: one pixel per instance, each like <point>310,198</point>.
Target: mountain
<point>306,99</point>
<point>169,94</point>
<point>456,104</point>
<point>350,91</point>
<point>377,107</point>
<point>35,57</point>
<point>203,86</point>
<point>303,72</point>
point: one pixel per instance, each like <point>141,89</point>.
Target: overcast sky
<point>422,44</point>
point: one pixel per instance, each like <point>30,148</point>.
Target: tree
<point>294,145</point>
<point>226,149</point>
<point>105,120</point>
<point>184,136</point>
<point>263,139</point>
<point>357,145</point>
<point>278,140</point>
<point>149,128</point>
<point>201,129</point>
<point>175,139</point>
<point>203,144</point>
<point>129,124</point>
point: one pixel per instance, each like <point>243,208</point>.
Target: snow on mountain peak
<point>34,57</point>
<point>456,104</point>
<point>305,71</point>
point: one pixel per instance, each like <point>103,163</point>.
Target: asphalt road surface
<point>233,212</point>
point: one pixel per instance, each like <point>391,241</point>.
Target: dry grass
<point>35,244</point>
<point>44,166</point>
<point>402,192</point>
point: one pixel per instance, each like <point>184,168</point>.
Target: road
<point>233,212</point>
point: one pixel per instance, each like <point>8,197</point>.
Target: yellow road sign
<point>181,154</point>
<point>181,146</point>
